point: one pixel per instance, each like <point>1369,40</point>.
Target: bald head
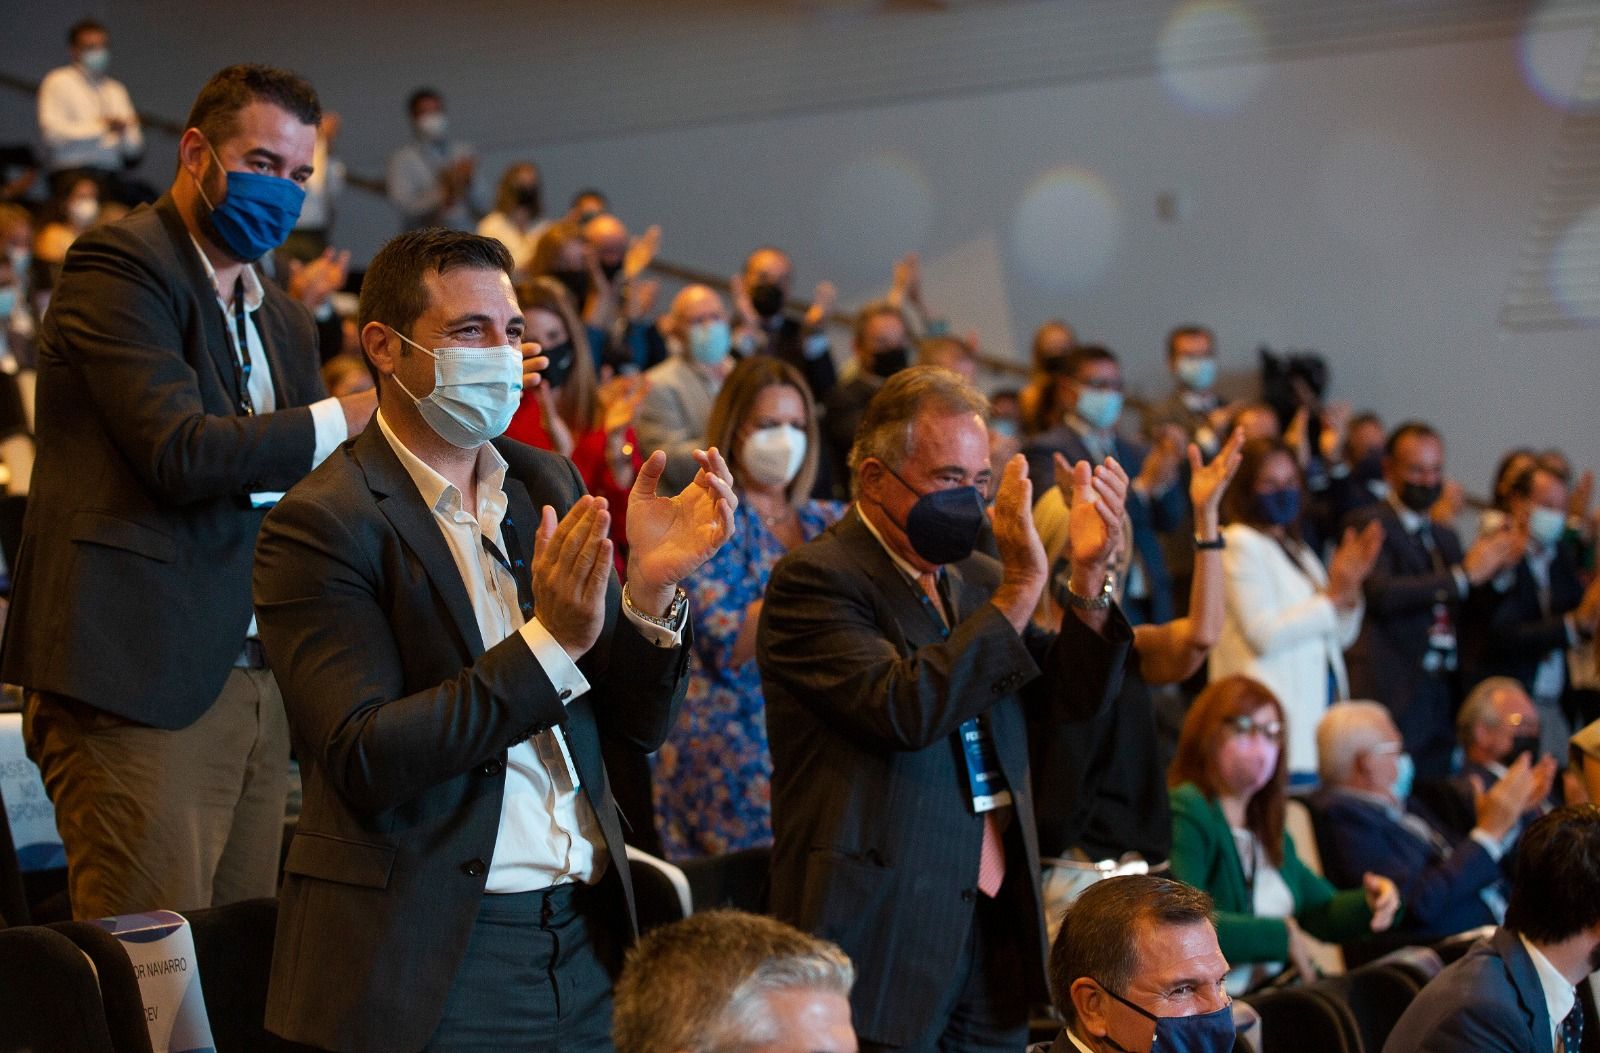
<point>1495,714</point>
<point>607,235</point>
<point>694,305</point>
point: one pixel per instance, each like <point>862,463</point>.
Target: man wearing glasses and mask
<point>901,674</point>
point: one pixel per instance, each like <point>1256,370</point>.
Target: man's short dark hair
<point>421,95</point>
<point>1410,429</point>
<point>392,291</point>
<point>82,26</point>
<point>1099,935</point>
<point>1081,356</point>
<point>1557,872</point>
<point>701,984</point>
<point>216,109</point>
<point>1189,329</point>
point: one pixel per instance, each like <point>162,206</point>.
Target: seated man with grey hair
<point>1364,824</point>
<point>725,980</point>
<point>1496,724</point>
<point>1136,966</point>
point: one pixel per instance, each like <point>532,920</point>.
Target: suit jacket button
<point>493,767</point>
<point>968,895</point>
<point>474,868</point>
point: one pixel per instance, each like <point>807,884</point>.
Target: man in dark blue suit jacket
<point>1515,990</point>
<point>1406,655</point>
<point>1091,388</point>
<point>1365,823</point>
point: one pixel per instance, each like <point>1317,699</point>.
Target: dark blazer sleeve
<point>121,318</point>
<point>826,635</point>
<point>1390,589</point>
<point>320,604</point>
<point>1517,630</point>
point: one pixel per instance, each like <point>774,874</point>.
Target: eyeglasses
<point>1247,725</point>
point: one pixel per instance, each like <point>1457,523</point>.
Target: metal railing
<point>680,272</point>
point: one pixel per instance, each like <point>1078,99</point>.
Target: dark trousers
<point>1427,724</point>
<point>537,976</point>
<point>986,1006</point>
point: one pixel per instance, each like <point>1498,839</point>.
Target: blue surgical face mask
<point>256,216</point>
<point>1405,773</point>
<point>96,60</point>
<point>1100,408</point>
<point>709,342</point>
<point>1546,525</point>
<point>8,300</point>
<point>1202,1033</point>
<point>476,390</point>
<point>1279,507</point>
<point>943,526</point>
<point>1197,374</point>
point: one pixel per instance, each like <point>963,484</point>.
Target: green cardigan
<point>1203,855</point>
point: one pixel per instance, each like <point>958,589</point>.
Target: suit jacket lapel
<point>218,343</point>
<point>917,623</point>
<point>401,503</point>
<point>1525,981</point>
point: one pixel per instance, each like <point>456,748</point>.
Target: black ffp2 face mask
<point>767,299</point>
<point>944,525</point>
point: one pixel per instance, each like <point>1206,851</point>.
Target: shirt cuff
<point>564,674</point>
<point>1574,638</point>
<point>815,346</point>
<point>1490,845</point>
<point>656,634</point>
<point>327,417</point>
<point>1463,586</point>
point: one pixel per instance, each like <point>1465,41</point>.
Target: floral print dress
<point>713,775</point>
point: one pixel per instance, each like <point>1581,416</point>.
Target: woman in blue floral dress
<point>713,774</point>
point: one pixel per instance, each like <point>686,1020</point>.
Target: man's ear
<point>378,343</point>
<point>1089,1003</point>
<point>870,474</point>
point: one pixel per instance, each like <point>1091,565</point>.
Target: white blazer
<point>1281,629</point>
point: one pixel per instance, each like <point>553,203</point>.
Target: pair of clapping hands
<point>668,539</point>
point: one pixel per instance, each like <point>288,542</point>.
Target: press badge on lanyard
<point>985,780</point>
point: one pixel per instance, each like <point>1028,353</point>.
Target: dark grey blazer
<point>1489,1000</point>
<point>402,720</point>
<point>876,845</point>
<point>133,580</point>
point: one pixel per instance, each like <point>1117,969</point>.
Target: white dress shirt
<point>75,107</point>
<point>1559,994</point>
<point>548,831</point>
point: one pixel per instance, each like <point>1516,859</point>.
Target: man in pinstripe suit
<point>902,674</point>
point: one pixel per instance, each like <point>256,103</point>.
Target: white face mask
<point>432,125</point>
<point>81,211</point>
<point>773,456</point>
<point>476,390</point>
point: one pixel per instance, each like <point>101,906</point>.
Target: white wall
<point>1365,199</point>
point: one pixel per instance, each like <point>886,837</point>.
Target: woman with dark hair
<point>572,415</point>
<point>518,217</point>
<point>713,774</point>
<point>1288,620</point>
<point>1229,789</point>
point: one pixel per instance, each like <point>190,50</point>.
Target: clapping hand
<point>821,305</point>
<point>641,253</point>
<point>1383,900</point>
<point>312,283</point>
<point>571,567</point>
<point>1352,561</point>
<point>670,537</point>
<point>533,363</point>
<point>619,400</point>
<point>1096,498</point>
<point>1208,482</point>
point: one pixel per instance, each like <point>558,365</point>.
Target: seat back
<point>741,880</point>
<point>1375,996</point>
<point>660,890</point>
<point>50,1000</point>
<point>233,951</point>
<point>119,987</point>
<point>1305,1020</point>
